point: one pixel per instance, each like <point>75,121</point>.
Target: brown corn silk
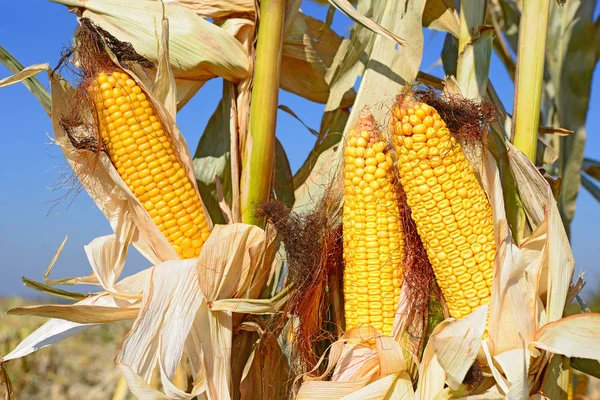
<point>313,247</point>
<point>450,209</point>
<point>372,229</point>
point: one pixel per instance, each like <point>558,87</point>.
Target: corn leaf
<point>592,168</point>
<point>51,332</point>
<point>317,172</point>
<point>390,67</point>
<point>587,366</point>
<point>511,19</point>
<point>308,51</point>
<point>33,84</point>
<point>212,159</point>
<point>442,16</point>
<point>556,382</point>
<point>284,180</point>
<point>574,336</point>
<point>456,344</point>
<point>332,123</point>
<point>387,70</point>
<point>591,187</point>
<point>82,314</point>
<point>55,330</point>
<point>52,291</point>
<point>571,57</point>
<point>474,65</point>
<point>346,8</point>
<point>219,9</point>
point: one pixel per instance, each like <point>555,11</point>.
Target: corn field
<point>422,249</point>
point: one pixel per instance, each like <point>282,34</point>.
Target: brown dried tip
<point>466,119</point>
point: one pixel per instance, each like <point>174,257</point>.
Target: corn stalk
<point>529,75</point>
<point>258,163</point>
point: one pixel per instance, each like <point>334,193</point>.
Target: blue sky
<point>31,230</point>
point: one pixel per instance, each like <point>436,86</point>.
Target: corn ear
<point>449,207</point>
<point>372,230</point>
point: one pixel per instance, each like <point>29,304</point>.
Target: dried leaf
<point>218,9</point>
<point>512,318</point>
<point>308,51</point>
<point>159,333</point>
<point>431,374</point>
<point>442,16</point>
<point>82,314</point>
<point>592,168</point>
<point>54,331</point>
<point>574,336</point>
<point>456,344</point>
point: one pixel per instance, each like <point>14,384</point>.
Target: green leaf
<point>587,366</point>
<point>474,65</point>
<point>33,84</point>
<point>590,186</point>
<point>288,110</point>
<point>571,58</point>
<point>512,19</point>
<point>212,157</point>
<point>450,55</point>
<point>51,290</point>
<point>332,123</point>
<point>318,171</point>
<point>284,180</point>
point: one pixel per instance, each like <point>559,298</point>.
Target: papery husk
<point>181,295</point>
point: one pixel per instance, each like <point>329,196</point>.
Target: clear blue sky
<point>36,31</point>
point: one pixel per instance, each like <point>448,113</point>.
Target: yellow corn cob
<point>372,231</point>
<point>142,152</point>
<point>449,207</point>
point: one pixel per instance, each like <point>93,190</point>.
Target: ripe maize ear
<point>449,207</point>
<point>142,152</point>
<point>372,231</point>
